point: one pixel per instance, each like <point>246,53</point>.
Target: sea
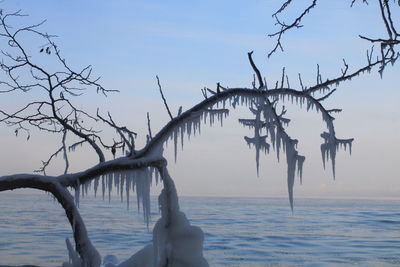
<point>238,231</point>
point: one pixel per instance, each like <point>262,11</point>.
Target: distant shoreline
<point>91,194</point>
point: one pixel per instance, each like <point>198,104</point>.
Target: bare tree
<point>57,113</point>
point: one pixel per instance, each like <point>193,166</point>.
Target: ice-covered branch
<point>246,96</point>
<point>280,139</point>
<point>119,164</point>
<point>336,81</point>
<point>86,250</point>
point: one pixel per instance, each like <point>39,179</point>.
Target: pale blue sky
<point>192,44</point>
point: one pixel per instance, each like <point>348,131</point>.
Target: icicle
<point>150,171</point>
<point>310,105</point>
<point>182,135</point>
<point>103,186</point>
<point>138,182</point>
<point>85,188</point>
<point>235,101</point>
<point>133,178</point>
<point>291,155</point>
<point>122,177</point>
<point>82,190</point>
<point>194,127</point>
<point>323,153</point>
<point>175,136</point>
<point>278,143</point>
<point>128,187</point>
<point>188,129</point>
<point>300,162</point>
<point>157,176</point>
<point>199,125</point>
<point>77,193</point>
<point>271,130</point>
<point>88,185</point>
<point>110,185</point>
<point>146,196</point>
<point>116,182</point>
<point>96,185</point>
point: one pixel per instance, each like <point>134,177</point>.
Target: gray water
<point>238,231</point>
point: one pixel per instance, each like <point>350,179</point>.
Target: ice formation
<point>137,181</point>
<point>176,242</point>
<point>330,146</point>
<point>192,125</point>
<point>258,141</point>
<point>266,119</point>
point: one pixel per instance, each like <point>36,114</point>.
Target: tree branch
<point>256,70</point>
<point>163,98</point>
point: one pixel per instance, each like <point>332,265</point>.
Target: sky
<point>192,44</point>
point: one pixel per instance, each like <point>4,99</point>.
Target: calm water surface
<point>238,231</point>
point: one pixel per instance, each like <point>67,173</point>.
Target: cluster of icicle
<point>192,125</point>
<point>267,119</point>
<point>330,146</point>
<point>138,181</point>
<point>175,241</point>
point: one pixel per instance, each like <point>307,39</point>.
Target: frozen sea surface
<point>238,231</point>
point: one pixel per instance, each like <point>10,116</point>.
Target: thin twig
<point>163,98</point>
<point>148,126</point>
<point>255,69</point>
